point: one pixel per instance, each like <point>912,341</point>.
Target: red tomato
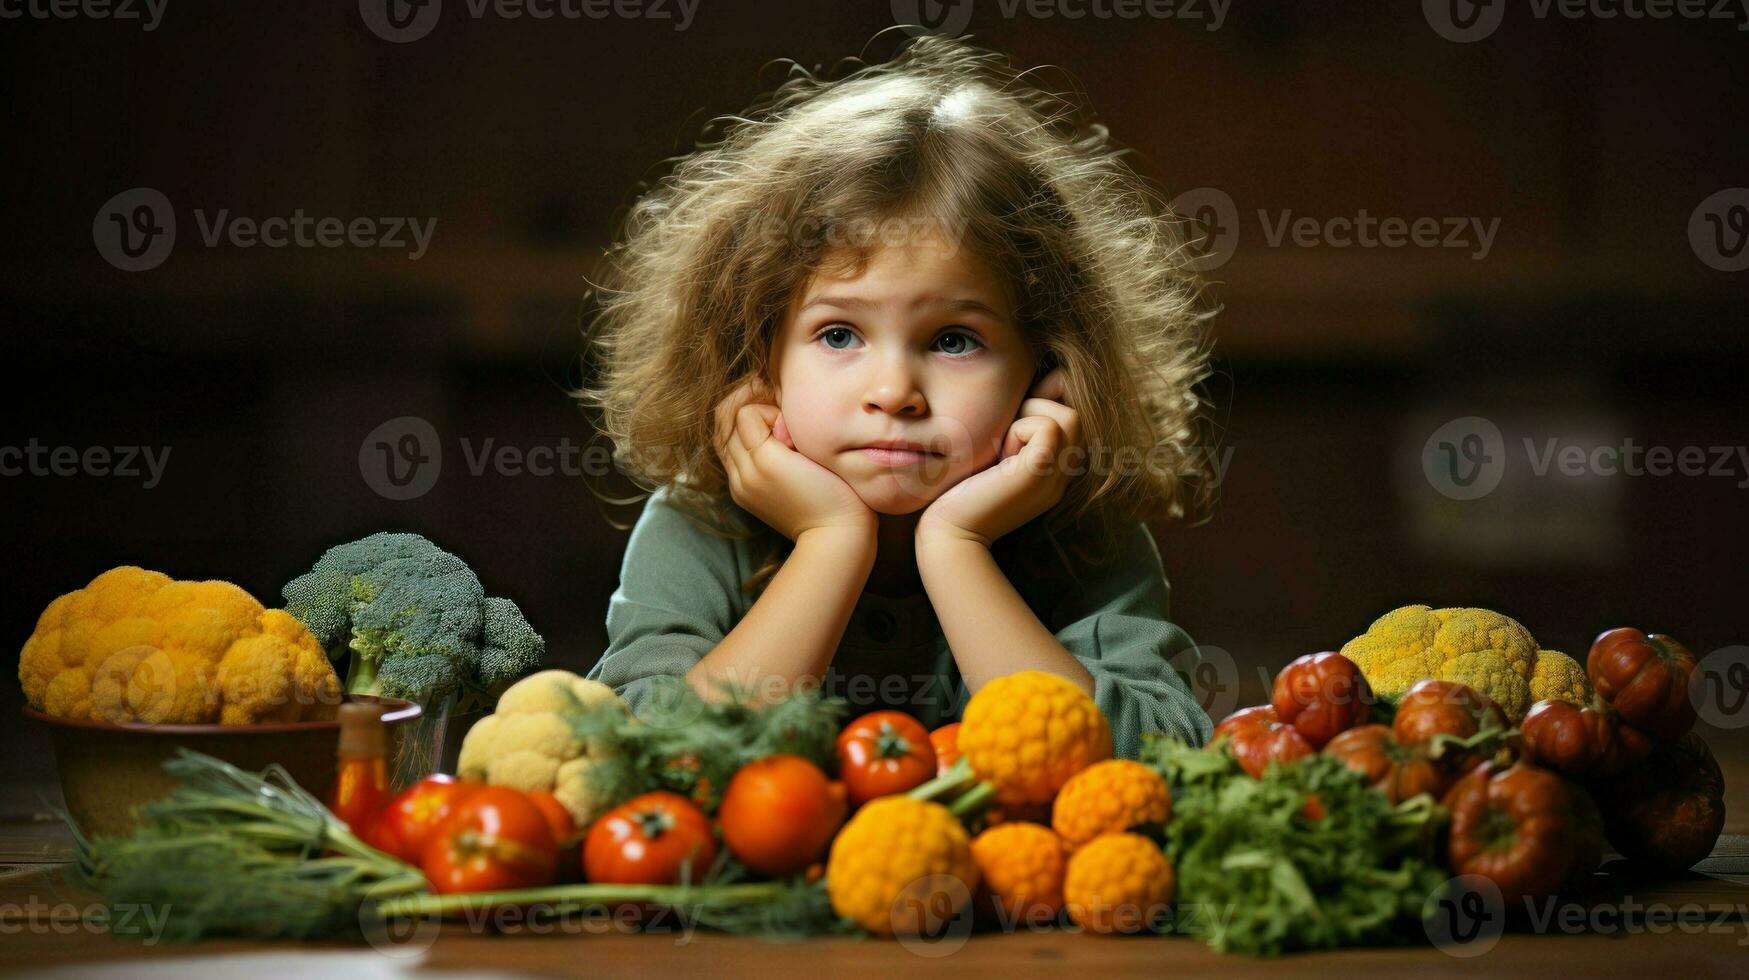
<point>1321,695</point>
<point>884,752</point>
<point>565,833</point>
<point>1645,677</point>
<point>408,822</point>
<point>497,839</point>
<point>946,741</point>
<point>1256,737</point>
<point>645,840</point>
<point>558,818</point>
<point>779,813</point>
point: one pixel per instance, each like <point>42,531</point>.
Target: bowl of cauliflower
<point>135,664</point>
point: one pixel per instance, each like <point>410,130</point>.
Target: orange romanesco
<point>137,646</point>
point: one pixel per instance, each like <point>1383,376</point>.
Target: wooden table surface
<point>48,931</point>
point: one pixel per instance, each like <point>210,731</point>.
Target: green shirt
<point>680,594</point>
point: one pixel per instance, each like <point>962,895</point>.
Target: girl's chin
<point>885,495</point>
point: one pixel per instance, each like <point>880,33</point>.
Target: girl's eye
<point>956,343</point>
<point>967,343</point>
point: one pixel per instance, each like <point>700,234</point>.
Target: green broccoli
<point>414,621</point>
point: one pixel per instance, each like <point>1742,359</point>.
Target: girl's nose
<point>894,389</point>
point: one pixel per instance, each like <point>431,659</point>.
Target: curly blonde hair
<point>692,292</point>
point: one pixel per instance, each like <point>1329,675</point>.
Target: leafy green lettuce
<point>1308,857</point>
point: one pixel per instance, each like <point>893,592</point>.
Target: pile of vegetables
<point>1323,819</point>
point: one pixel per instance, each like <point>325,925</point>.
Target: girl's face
<point>920,347</point>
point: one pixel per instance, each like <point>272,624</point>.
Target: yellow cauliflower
<point>1479,648</point>
<point>530,742</point>
<point>137,646</point>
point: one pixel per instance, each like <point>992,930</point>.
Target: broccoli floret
<point>509,648</point>
<point>321,598</point>
<point>413,620</point>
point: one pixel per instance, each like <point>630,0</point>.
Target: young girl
<point>907,359</point>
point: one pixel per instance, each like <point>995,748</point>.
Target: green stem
<point>595,894</point>
<point>957,775</point>
<point>972,801</point>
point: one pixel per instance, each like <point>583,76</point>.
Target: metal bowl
<point>108,769</point>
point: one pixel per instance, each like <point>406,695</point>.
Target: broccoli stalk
<point>414,622</point>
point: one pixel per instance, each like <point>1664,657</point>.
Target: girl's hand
<point>1028,479</point>
<point>773,482</point>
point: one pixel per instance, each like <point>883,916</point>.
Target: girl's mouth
<point>895,457</point>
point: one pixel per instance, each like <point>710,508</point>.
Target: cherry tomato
<point>884,752</point>
<point>1321,695</point>
<point>779,814</point>
<point>645,841</point>
<point>946,741</point>
<point>497,839</point>
<point>407,823</point>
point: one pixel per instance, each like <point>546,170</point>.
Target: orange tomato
<point>779,814</point>
<point>946,741</point>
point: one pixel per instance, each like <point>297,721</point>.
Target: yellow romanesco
<point>1479,648</point>
<point>137,646</point>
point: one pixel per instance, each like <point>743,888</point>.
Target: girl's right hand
<point>769,479</point>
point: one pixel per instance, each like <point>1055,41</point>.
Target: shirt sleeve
<point>675,602</point>
<point>1116,625</point>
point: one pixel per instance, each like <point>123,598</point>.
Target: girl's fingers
<point>753,425</point>
<point>1066,418</point>
<point>726,411</point>
<point>1054,386</point>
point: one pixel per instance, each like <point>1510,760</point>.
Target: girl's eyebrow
<point>965,305</point>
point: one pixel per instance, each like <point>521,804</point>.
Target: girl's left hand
<point>1028,479</point>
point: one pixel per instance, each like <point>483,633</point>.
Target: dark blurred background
<point>1606,305</point>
